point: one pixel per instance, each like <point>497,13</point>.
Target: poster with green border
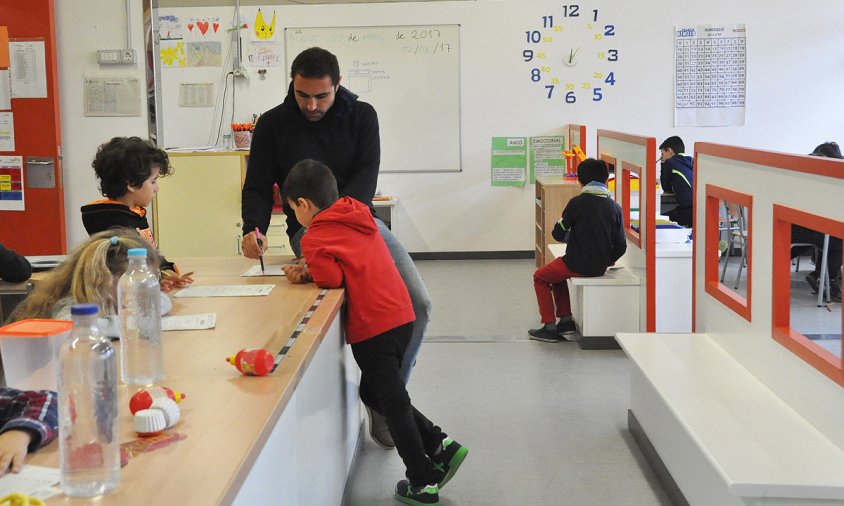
<point>509,161</point>
<point>546,156</point>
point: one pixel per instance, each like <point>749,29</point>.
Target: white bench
<point>603,305</point>
<point>723,436</point>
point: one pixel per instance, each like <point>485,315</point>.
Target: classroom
<point>703,370</point>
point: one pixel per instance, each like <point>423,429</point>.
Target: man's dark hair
<point>675,144</point>
<point>312,180</point>
<point>316,63</point>
<point>592,170</point>
<point>127,161</point>
<point>827,149</point>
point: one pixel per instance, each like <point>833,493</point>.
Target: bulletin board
<point>411,75</point>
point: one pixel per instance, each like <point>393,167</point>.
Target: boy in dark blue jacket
<point>593,227</point>
<point>676,177</point>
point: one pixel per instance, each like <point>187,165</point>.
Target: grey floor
<point>545,424</point>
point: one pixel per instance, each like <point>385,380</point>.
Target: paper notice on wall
<point>509,161</point>
<point>546,156</point>
<point>7,132</point>
<point>113,96</point>
<point>196,94</point>
<point>710,75</point>
<point>11,183</point>
<point>28,69</point>
<point>5,90</point>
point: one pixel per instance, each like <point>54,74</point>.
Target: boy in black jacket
<point>593,227</point>
<point>676,176</point>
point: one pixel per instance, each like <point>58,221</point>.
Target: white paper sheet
<point>189,321</point>
<point>28,68</point>
<point>7,131</point>
<point>269,270</point>
<point>225,291</point>
<point>11,184</point>
<point>36,481</point>
<point>5,90</point>
<point>113,96</point>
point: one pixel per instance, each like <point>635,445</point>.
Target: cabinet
<point>552,195</point>
<point>197,209</point>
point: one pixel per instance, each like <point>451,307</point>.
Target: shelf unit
<point>552,195</point>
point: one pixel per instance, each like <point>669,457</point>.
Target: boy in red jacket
<point>343,247</point>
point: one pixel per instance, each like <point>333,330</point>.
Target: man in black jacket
<point>322,120</point>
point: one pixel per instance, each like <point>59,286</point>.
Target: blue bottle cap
<point>84,309</point>
<point>137,252</point>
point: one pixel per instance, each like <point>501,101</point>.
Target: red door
<point>36,186</point>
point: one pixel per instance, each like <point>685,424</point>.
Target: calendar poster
<point>710,75</point>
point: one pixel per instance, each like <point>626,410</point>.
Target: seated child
<point>13,267</point>
<point>128,169</point>
<point>676,177</point>
<point>343,247</point>
<point>593,227</point>
<point>29,420</point>
<point>89,275</point>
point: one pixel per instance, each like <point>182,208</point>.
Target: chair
<point>819,254</point>
<point>736,228</point>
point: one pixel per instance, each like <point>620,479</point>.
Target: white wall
<point>81,29</point>
<point>794,82</point>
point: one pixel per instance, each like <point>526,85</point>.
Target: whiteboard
<point>411,75</point>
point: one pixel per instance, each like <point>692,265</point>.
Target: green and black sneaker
<point>426,495</point>
<point>447,459</point>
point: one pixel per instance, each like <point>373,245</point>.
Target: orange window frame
<point>627,169</point>
<point>712,285</point>
<point>819,358</point>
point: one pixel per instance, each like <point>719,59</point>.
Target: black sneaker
<point>548,336</point>
<point>417,496</point>
<point>812,279</point>
<point>835,292</point>
<point>447,459</point>
<point>566,328</point>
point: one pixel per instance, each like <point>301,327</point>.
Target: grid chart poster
<point>710,75</point>
<point>509,161</point>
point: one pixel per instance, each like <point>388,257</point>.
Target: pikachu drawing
<point>264,31</point>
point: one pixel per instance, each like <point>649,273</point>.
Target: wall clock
<point>571,54</point>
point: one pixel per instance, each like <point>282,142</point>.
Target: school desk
<point>286,438</point>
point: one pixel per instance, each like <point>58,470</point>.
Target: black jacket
<point>105,214</point>
<point>13,267</point>
<point>346,139</point>
<point>595,230</point>
<point>676,176</point>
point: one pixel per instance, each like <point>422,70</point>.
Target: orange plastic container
<point>29,349</point>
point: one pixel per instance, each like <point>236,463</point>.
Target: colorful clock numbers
<point>572,54</point>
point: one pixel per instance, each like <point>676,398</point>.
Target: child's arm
<point>297,273</point>
<point>564,224</point>
<point>31,424</point>
<point>325,270</point>
<point>619,240</point>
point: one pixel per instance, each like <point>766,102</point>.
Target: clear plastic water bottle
<point>228,143</point>
<point>89,443</point>
<point>141,351</point>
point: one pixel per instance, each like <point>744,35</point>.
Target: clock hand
<point>575,53</point>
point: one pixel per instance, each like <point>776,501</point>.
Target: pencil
<point>260,245</point>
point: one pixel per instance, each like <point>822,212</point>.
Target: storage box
<point>30,349</point>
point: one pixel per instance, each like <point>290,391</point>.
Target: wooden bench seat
<point>725,436</point>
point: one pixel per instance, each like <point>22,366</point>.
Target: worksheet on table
<point>225,291</point>
<point>189,321</point>
<point>270,270</point>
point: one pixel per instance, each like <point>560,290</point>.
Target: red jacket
<point>343,247</point>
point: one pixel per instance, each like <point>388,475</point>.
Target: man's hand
<point>298,274</point>
<point>13,448</point>
<point>249,245</point>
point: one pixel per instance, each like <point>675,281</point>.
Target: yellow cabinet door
<point>197,208</point>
